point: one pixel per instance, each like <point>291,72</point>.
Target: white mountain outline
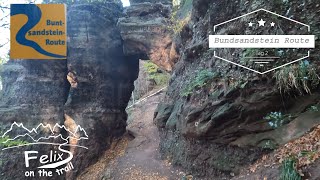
<point>20,125</point>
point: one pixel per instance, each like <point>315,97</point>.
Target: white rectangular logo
<point>262,41</point>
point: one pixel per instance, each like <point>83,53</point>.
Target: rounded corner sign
<point>38,31</point>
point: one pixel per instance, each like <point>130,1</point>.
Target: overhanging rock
<point>144,32</point>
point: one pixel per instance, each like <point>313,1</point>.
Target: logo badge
<point>38,31</point>
<point>49,152</point>
<point>262,41</point>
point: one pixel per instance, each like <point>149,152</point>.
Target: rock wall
<point>90,89</point>
<point>33,92</point>
<point>104,77</point>
<point>217,129</point>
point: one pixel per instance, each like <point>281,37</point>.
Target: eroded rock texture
<point>90,89</point>
<point>217,126</point>
<point>103,78</point>
<point>145,33</point>
<point>33,92</point>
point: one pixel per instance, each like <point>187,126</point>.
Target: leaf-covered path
<point>135,158</point>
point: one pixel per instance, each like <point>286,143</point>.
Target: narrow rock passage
<point>138,158</point>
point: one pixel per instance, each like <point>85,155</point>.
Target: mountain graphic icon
<point>43,133</point>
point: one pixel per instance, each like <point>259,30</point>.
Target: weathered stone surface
<point>217,118</point>
<point>162,114</point>
<point>33,92</point>
<point>100,84</point>
<point>202,157</point>
<point>104,78</point>
<point>144,31</point>
<point>295,129</point>
<point>174,116</point>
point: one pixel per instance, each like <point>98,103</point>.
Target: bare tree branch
<point>4,7</point>
<point>32,1</point>
<point>3,25</point>
<point>4,17</point>
<point>4,44</point>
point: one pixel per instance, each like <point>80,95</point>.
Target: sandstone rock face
<point>104,78</point>
<point>218,127</point>
<point>144,32</point>
<point>90,89</point>
<point>34,92</point>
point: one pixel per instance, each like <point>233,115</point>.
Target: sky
<point>125,2</point>
<point>5,19</point>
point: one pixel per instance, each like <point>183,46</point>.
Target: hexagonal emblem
<point>262,41</point>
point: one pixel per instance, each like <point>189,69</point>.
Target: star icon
<point>261,22</point>
<point>250,24</point>
<point>272,24</point>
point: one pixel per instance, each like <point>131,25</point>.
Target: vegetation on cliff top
<point>154,73</point>
<point>180,16</point>
<point>300,77</point>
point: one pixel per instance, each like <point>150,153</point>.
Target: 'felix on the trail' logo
<point>57,157</point>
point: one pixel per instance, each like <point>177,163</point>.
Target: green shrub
<point>150,67</point>
<point>5,143</point>
<point>314,108</point>
<point>202,78</point>
<point>180,16</point>
<point>176,24</point>
<point>288,170</point>
<point>161,78</point>
<point>277,119</point>
<point>302,77</point>
<point>269,144</point>
<point>309,154</point>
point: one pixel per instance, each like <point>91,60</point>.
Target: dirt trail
<point>138,158</point>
